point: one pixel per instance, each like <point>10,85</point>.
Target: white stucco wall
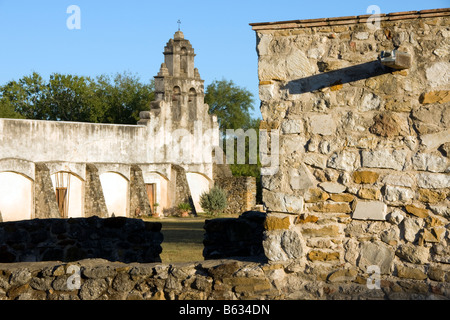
<point>115,191</point>
<point>16,197</point>
<point>198,184</point>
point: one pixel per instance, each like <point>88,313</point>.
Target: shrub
<point>214,201</point>
<point>184,206</point>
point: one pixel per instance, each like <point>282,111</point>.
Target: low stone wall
<point>239,237</point>
<point>212,280</point>
<point>114,239</point>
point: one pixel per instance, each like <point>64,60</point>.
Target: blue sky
<point>118,36</point>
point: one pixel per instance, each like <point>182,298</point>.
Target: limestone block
<point>430,162</point>
<point>432,141</point>
<point>343,197</point>
<point>391,236</point>
<point>388,159</point>
<point>276,223</point>
<point>291,126</point>
<point>389,124</point>
<point>332,187</point>
<point>362,35</point>
<point>433,180</point>
<point>301,178</point>
<point>441,210</point>
<point>315,52</point>
<point>434,235</point>
<point>330,230</point>
<point>411,228</point>
<point>394,193</point>
<point>368,177</point>
<point>267,92</point>
<point>322,124</point>
<point>431,196</point>
<point>282,245</point>
<point>274,201</point>
<point>413,253</point>
<point>263,44</point>
<point>396,216</point>
<point>370,102</point>
<point>315,159</point>
<point>291,66</point>
<point>330,207</point>
<point>440,96</point>
<point>294,204</point>
<point>316,195</point>
<point>343,275</point>
<point>376,254</point>
<point>345,160</point>
<point>438,74</point>
<point>401,180</point>
<point>369,193</point>
<point>319,255</point>
<point>410,273</point>
<point>370,210</point>
<point>418,212</point>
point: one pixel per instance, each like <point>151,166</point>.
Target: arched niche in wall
<point>192,105</point>
<point>69,191</point>
<point>16,196</point>
<point>183,61</point>
<point>116,192</point>
<point>176,104</point>
<point>157,187</point>
<point>198,184</point>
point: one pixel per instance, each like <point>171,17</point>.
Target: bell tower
<point>178,82</point>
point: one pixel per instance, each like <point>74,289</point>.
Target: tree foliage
<point>105,99</point>
<point>232,106</point>
<point>230,103</point>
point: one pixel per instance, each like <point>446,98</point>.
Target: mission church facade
<point>52,169</point>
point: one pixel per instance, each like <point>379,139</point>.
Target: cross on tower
<point>179,24</point>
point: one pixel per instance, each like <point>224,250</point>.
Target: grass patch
<point>183,238</point>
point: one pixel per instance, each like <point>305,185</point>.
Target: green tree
<point>70,98</point>
<point>26,97</point>
<point>123,97</point>
<point>230,103</point>
<point>106,99</point>
<point>7,110</point>
<point>232,106</point>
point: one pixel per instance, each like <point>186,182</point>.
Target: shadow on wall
<point>337,77</point>
<point>237,238</point>
<point>67,240</point>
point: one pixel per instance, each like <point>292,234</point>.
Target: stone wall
<point>44,195</point>
<point>241,193</point>
<point>139,201</point>
<point>364,168</point>
<point>114,239</point>
<point>207,280</point>
<point>94,199</point>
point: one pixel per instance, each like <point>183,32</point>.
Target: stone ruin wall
<point>364,149</point>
